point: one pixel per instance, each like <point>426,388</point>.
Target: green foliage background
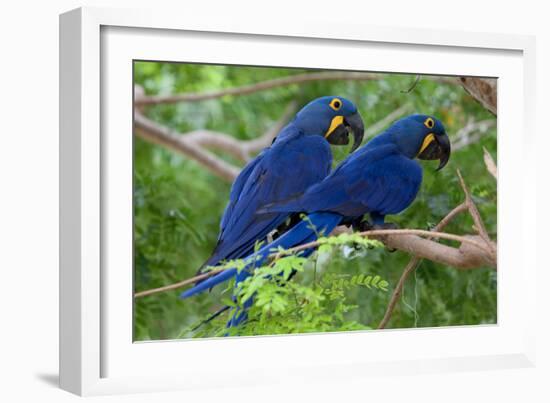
<point>178,203</point>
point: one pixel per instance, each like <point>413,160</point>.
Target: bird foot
<point>386,225</point>
<point>367,226</point>
<point>361,226</point>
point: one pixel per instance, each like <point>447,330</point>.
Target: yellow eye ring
<point>429,123</point>
<point>335,104</point>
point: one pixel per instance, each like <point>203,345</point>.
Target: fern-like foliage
<point>288,300</point>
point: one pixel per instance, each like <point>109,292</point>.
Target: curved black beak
<point>340,135</point>
<point>438,149</point>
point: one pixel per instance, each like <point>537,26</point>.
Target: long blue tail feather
<point>240,315</point>
<point>209,283</point>
<point>303,232</point>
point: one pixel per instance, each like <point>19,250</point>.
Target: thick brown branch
<point>388,235</point>
<point>193,144</point>
<point>471,254</point>
<point>241,149</point>
<point>413,265</point>
<point>161,135</point>
<point>258,144</point>
<point>473,259</point>
<point>217,141</point>
<point>464,258</point>
<point>484,90</point>
<point>251,88</point>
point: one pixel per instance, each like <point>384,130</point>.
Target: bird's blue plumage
<point>299,157</point>
<point>301,233</point>
<point>377,180</point>
<point>271,176</point>
<point>381,178</point>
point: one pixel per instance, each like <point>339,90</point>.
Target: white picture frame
<point>97,355</point>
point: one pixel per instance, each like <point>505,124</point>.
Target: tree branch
<point>471,254</point>
<point>402,239</point>
<point>484,90</point>
<point>178,284</point>
<point>471,258</point>
<point>410,268</point>
<point>193,144</point>
<point>478,221</point>
<point>490,163</point>
<point>474,251</point>
<point>251,88</point>
<point>161,135</point>
<point>377,127</point>
<point>241,149</point>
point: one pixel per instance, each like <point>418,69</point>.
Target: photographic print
<point>273,201</point>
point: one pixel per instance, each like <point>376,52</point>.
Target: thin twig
<point>490,163</point>
<point>413,265</point>
<point>377,127</point>
<point>178,284</point>
<point>162,135</point>
<point>451,215</point>
<point>478,221</point>
<point>261,86</point>
<point>277,255</point>
<point>413,85</point>
<point>241,149</point>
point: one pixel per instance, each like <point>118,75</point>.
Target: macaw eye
<point>335,104</point>
<point>429,123</point>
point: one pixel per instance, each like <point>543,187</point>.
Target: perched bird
<point>381,178</point>
<point>299,157</point>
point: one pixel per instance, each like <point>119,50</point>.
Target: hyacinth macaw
<point>299,157</point>
<point>381,178</point>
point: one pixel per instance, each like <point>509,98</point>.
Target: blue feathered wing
<point>293,163</point>
<point>371,180</point>
<point>379,180</point>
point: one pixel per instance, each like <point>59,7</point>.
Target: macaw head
<point>423,137</point>
<point>333,118</point>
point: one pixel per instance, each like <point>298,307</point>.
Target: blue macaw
<point>381,178</point>
<point>299,157</point>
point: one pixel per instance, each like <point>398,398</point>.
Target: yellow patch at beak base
<point>336,121</point>
<point>427,141</point>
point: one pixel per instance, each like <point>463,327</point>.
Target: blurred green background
<point>178,203</point>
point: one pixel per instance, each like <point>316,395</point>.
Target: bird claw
<point>361,226</point>
<point>386,225</point>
